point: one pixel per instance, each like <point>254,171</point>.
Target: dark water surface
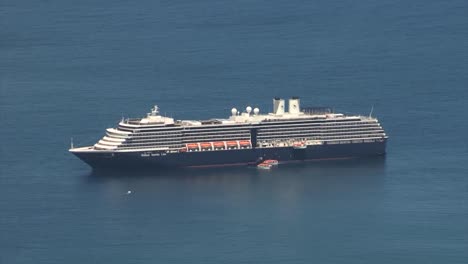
<point>73,68</point>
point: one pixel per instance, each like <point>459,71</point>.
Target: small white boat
<point>264,166</point>
<point>271,162</point>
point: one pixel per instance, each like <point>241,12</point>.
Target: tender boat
<point>271,162</point>
<point>264,166</point>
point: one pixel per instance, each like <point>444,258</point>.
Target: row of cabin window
<point>197,150</point>
<point>320,127</point>
<point>248,133</point>
<point>189,133</point>
<point>353,141</point>
<point>283,123</point>
<point>311,120</point>
<point>189,140</point>
<point>328,123</point>
<point>165,142</point>
<point>198,130</point>
<point>322,137</point>
<point>235,130</point>
<point>280,133</point>
<point>177,146</point>
<point>320,130</point>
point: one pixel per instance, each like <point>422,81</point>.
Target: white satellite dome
<point>248,109</point>
<point>234,111</point>
<point>256,111</point>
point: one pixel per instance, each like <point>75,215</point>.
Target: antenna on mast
<point>372,110</point>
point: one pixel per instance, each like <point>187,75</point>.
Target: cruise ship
<point>244,138</point>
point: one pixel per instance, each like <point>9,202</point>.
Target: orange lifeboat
<point>192,146</point>
<point>244,143</point>
<point>231,144</point>
<point>205,145</point>
<point>218,144</point>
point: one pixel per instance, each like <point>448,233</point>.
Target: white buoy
<point>129,192</point>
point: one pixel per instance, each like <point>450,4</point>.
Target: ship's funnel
<point>278,106</point>
<point>294,105</point>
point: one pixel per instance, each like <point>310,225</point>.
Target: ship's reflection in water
<point>288,190</point>
<point>294,209</point>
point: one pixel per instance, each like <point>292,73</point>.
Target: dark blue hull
<point>146,159</point>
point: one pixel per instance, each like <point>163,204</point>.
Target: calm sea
<point>73,68</point>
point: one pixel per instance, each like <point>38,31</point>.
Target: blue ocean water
<point>74,68</point>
